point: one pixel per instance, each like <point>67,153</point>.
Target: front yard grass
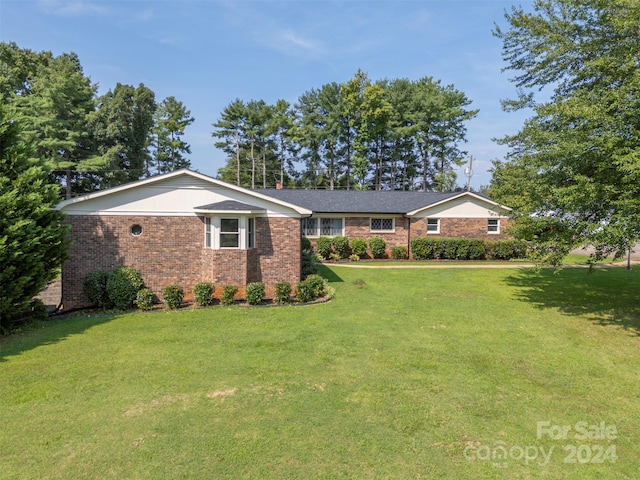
<point>407,373</point>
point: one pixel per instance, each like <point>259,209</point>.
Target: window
<point>382,225</point>
<point>310,227</point>
<point>229,233</point>
<point>251,233</point>
<point>493,225</point>
<point>325,227</point>
<point>433,225</point>
<point>207,232</point>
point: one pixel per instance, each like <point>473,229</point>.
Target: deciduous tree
<point>573,171</point>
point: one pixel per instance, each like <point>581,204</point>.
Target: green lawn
<point>420,373</point>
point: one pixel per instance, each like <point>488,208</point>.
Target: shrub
<point>312,287</point>
<point>354,258</point>
<point>359,247</point>
<point>303,292</point>
<point>283,292</point>
<point>378,247</point>
<point>422,248</point>
<point>341,246</point>
<point>334,257</point>
<point>399,253</point>
<point>308,265</point>
<point>203,293</point>
<point>122,286</point>
<point>173,295</point>
<point>228,292</point>
<point>38,310</point>
<point>462,249</point>
<point>323,245</point>
<point>476,249</point>
<point>145,299</point>
<point>449,248</point>
<point>306,244</point>
<point>95,288</point>
<point>254,293</point>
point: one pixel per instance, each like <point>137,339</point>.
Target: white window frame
<point>382,230</point>
<point>213,232</point>
<point>495,225</point>
<point>320,223</point>
<point>251,232</point>
<point>437,230</point>
<point>236,233</point>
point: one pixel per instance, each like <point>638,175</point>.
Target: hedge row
<point>428,248</point>
<point>122,288</point>
<point>339,247</point>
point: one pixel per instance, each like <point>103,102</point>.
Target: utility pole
<point>469,172</point>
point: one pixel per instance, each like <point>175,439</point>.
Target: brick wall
<point>170,250</point>
<point>278,243</point>
<point>359,227</point>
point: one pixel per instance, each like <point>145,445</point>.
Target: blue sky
<point>208,53</point>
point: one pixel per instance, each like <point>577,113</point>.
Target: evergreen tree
<point>171,120</point>
<point>33,241</point>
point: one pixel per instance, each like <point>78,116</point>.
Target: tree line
<point>384,135</point>
<point>90,142</point>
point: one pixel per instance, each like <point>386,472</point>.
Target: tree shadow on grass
<point>606,296</point>
<point>50,332</point>
<point>330,275</point>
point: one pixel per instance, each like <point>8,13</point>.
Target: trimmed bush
<point>323,245</point>
<point>306,244</point>
<point>254,293</point>
<point>399,253</point>
<point>308,265</point>
<point>228,292</point>
<point>145,298</point>
<point>283,292</point>
<point>341,246</point>
<point>359,247</point>
<point>95,288</point>
<point>427,248</point>
<point>476,249</point>
<point>312,287</point>
<point>122,286</point>
<point>38,310</point>
<point>378,247</point>
<point>203,293</point>
<point>172,296</point>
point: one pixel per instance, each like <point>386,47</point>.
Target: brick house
<point>185,227</point>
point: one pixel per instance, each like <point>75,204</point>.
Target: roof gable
<point>174,194</point>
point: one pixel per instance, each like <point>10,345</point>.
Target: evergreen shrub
<point>172,296</point>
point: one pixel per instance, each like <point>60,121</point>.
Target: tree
<point>55,114</point>
<point>171,119</point>
<point>33,241</point>
<point>573,171</point>
<point>122,127</point>
<point>230,129</point>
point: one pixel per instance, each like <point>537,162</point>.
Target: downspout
<point>408,235</point>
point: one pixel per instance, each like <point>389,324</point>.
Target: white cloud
<point>73,8</point>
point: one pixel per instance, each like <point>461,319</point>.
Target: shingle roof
<point>358,201</point>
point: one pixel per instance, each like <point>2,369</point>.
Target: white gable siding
<point>176,196</point>
<point>464,207</point>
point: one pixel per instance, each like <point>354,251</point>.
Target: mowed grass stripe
<point>393,379</point>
